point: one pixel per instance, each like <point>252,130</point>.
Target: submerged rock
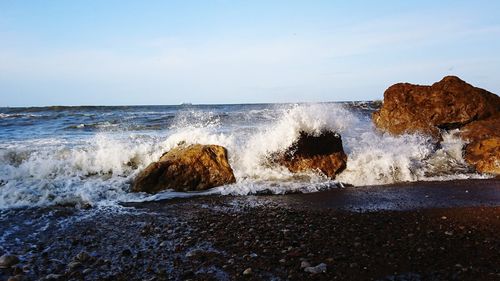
<point>323,152</point>
<point>448,104</point>
<point>192,168</point>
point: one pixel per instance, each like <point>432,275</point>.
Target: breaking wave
<point>98,168</point>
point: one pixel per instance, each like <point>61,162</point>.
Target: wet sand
<point>403,196</point>
<point>417,231</point>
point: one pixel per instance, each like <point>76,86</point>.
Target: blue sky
<point>220,51</point>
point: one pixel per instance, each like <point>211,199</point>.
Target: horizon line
<point>182,104</point>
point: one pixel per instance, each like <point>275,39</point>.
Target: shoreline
<point>395,196</point>
<point>268,237</point>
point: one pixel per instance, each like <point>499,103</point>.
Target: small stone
<point>444,217</point>
<point>126,253</point>
<point>304,264</point>
<point>247,271</point>
<point>282,260</point>
<point>82,256</point>
<point>7,261</point>
<point>449,233</point>
<point>74,265</point>
<point>191,253</point>
<point>53,277</point>
<point>86,206</point>
<point>17,270</point>
<point>87,271</point>
<point>320,268</point>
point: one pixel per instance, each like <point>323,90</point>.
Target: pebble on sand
<point>320,268</point>
<point>247,271</point>
<point>304,264</point>
<point>16,278</point>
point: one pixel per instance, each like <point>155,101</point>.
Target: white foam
<point>250,160</point>
<point>99,169</point>
<point>19,115</point>
<point>96,170</point>
<point>375,158</point>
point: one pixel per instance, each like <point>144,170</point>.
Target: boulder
<point>448,104</point>
<point>193,168</point>
<point>483,148</point>
<point>323,152</point>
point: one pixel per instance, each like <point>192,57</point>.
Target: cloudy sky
<point>216,51</point>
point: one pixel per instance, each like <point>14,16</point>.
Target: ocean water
<point>90,155</point>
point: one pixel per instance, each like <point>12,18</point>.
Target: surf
<point>97,167</point>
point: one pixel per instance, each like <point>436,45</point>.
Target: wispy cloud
<point>332,63</point>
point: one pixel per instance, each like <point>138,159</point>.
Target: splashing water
<point>56,160</point>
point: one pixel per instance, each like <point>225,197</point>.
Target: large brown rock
<point>192,168</point>
<point>323,152</point>
<point>447,104</point>
<point>483,148</point>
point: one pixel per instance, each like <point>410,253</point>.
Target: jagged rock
<point>483,149</point>
<point>192,168</point>
<point>448,104</point>
<point>323,152</point>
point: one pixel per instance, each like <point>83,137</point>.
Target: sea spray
<point>251,161</point>
<point>54,165</point>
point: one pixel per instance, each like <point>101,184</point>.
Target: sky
<point>107,52</point>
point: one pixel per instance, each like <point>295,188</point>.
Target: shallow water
<point>89,155</point>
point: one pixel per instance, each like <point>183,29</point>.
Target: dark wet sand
<point>419,231</point>
<point>404,196</point>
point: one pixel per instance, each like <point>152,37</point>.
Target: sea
<point>90,155</point>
